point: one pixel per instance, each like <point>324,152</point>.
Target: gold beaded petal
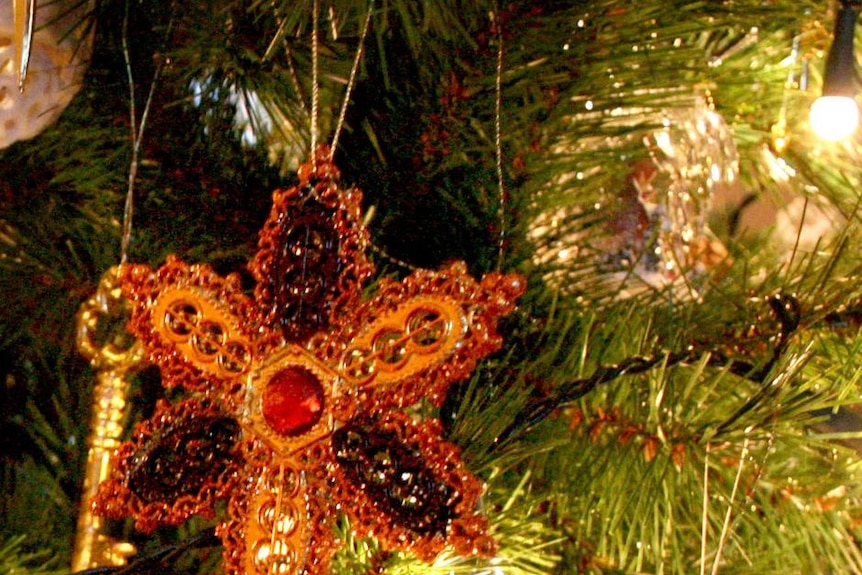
<point>296,410</point>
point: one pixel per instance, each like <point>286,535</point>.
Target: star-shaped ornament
<point>300,396</point>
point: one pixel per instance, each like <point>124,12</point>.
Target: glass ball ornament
<point>694,155</point>
<point>61,45</point>
<point>650,229</point>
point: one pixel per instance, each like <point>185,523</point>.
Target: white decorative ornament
<point>60,50</point>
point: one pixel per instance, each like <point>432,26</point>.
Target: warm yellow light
<point>834,118</point>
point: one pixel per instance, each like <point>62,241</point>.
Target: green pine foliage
<point>704,425</point>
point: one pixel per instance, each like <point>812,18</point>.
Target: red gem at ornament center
<point>292,402</point>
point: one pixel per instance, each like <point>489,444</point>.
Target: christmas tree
<point>642,252</point>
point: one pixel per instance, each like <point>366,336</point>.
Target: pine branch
<point>14,559</point>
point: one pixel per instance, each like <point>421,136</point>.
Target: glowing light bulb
<point>834,118</point>
<point>835,115</point>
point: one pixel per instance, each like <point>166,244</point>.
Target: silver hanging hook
<point>24,12</point>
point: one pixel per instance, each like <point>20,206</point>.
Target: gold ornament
<point>299,395</point>
<point>113,362</point>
